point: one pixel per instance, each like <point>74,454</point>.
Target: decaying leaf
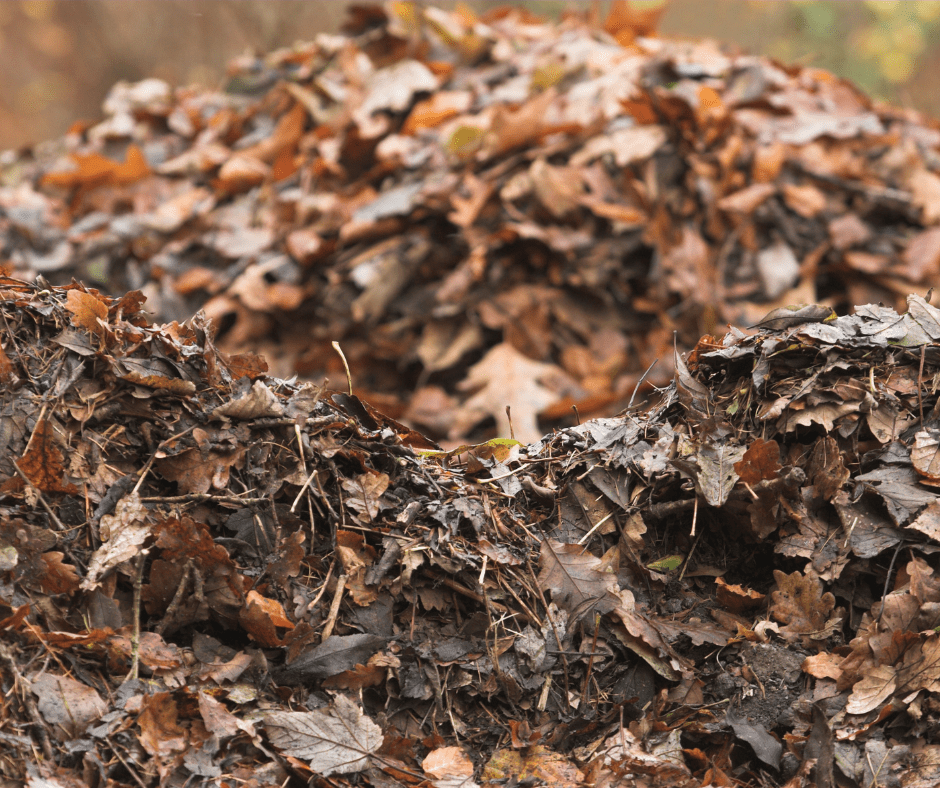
<point>878,685</point>
<point>122,535</point>
<point>495,211</point>
<point>574,576</point>
<point>802,605</point>
<point>507,379</point>
<point>337,739</point>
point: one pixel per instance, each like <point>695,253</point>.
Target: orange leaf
<point>761,461</point>
<point>87,310</point>
<point>44,461</point>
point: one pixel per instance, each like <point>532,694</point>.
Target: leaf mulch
<point>485,211</point>
<point>214,574</point>
<point>211,576</point>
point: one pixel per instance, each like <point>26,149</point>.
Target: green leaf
<point>668,564</point>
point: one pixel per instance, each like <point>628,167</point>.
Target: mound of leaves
<point>485,211</point>
<point>211,576</point>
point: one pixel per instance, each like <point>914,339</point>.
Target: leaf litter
<point>211,574</point>
<point>702,592</point>
<point>463,202</point>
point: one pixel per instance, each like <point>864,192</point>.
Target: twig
<point>40,498</point>
<point>202,498</point>
<point>306,487</point>
<point>888,580</point>
<point>639,383</point>
<point>661,511</point>
<point>603,520</point>
<point>590,666</point>
<point>313,602</point>
<point>339,350</point>
<point>22,359</point>
<point>163,444</point>
<point>688,558</point>
<point>126,765</point>
<point>462,589</point>
<point>551,620</point>
<point>920,384</point>
<point>334,608</point>
<point>135,634</point>
<point>512,433</point>
<point>7,659</point>
<point>177,601</point>
<point>529,614</point>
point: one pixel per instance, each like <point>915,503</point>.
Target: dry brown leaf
<point>258,402</point>
<point>926,188</point>
<point>925,454</point>
<point>122,535</point>
<point>87,311</point>
<point>761,461</point>
<point>198,472</point>
<point>161,734</point>
<point>801,604</point>
<point>877,686</point>
<point>446,761</point>
<point>574,576</point>
<point>505,378</point>
<point>44,461</point>
<point>68,705</point>
<point>825,414</point>
<point>261,616</point>
<point>537,763</point>
<point>365,493</point>
<point>337,739</point>
<point>823,666</point>
<point>737,598</point>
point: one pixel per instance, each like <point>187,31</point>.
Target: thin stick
<point>6,658</point>
<point>551,620</point>
<point>202,498</point>
<point>920,384</point>
<point>888,581</point>
<point>177,600</point>
<point>313,602</point>
<point>39,497</point>
<point>303,489</point>
<point>339,350</point>
<point>688,558</point>
<point>334,607</point>
<point>135,634</point>
<point>163,444</point>
<point>600,522</point>
<point>639,383</point>
<point>126,765</point>
<point>590,666</point>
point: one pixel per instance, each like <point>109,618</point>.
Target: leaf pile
<point>213,576</point>
<point>476,206</point>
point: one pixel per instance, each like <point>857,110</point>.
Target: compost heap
<point>485,211</point>
<point>213,576</point>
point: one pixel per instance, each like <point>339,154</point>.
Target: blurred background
<point>59,58</point>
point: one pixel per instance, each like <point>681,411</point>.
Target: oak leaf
<point>506,378</point>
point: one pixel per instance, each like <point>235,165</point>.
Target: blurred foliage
<point>888,40</point>
<point>59,58</point>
